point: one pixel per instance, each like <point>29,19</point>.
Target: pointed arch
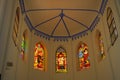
<point>112,26</point>
<point>61,60</point>
<point>40,57</point>
<point>83,56</point>
<point>100,45</point>
<point>16,26</point>
<point>24,44</point>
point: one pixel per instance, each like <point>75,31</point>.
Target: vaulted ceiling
<point>62,19</point>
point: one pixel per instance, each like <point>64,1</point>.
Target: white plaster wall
<point>8,51</point>
<point>22,68</point>
<point>86,74</point>
<point>6,16</point>
<point>71,49</point>
<point>117,3</point>
<point>103,67</point>
<point>112,52</point>
<point>2,6</point>
<point>2,9</point>
<point>33,73</point>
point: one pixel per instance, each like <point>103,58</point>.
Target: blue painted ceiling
<point>62,19</point>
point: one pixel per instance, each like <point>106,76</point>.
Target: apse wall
<point>71,47</point>
<point>13,67</point>
<point>106,69</point>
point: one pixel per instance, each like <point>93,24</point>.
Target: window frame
<point>24,44</point>
<point>44,58</point>
<point>101,48</point>
<point>80,54</point>
<point>16,26</point>
<point>58,51</point>
<point>111,26</point>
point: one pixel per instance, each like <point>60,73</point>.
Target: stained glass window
<point>61,63</point>
<point>112,26</point>
<point>83,56</point>
<point>101,45</point>
<point>24,44</point>
<point>39,57</point>
<point>23,47</point>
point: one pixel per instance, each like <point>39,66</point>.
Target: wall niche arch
<point>100,46</point>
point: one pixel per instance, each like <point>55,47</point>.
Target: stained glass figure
<point>83,55</point>
<point>61,64</point>
<point>39,57</point>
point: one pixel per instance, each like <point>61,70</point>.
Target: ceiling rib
<point>56,27</point>
<point>46,21</point>
<point>66,27</point>
<point>61,15</point>
<point>88,10</point>
<point>76,21</point>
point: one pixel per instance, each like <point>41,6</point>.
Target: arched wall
<point>113,50</point>
<point>6,21</point>
<point>9,53</point>
<point>117,2</point>
<point>71,47</point>
<point>110,64</point>
<point>107,69</point>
